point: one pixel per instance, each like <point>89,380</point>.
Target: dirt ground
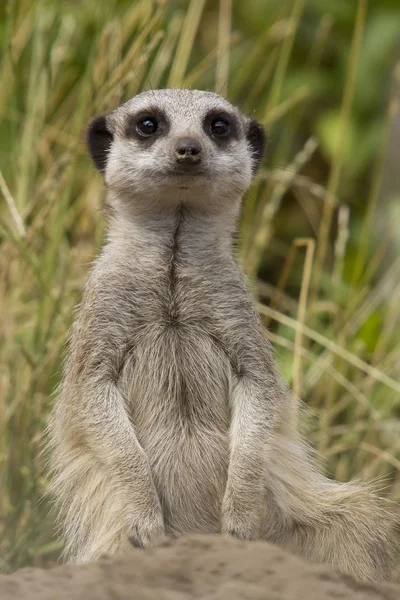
<point>194,567</point>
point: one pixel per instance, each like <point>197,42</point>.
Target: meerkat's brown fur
<point>171,417</point>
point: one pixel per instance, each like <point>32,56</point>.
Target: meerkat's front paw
<point>147,529</point>
<point>240,517</point>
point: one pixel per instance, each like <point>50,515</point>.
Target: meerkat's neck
<point>195,234</point>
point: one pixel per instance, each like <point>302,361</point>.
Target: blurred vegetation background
<point>320,231</point>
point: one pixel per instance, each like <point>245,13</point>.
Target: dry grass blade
<point>332,347</point>
<point>16,217</point>
<point>305,285</point>
<point>282,66</point>
<point>283,108</point>
<point>334,178</point>
<point>321,366</point>
<point>183,52</point>
<point>261,233</point>
<point>224,32</point>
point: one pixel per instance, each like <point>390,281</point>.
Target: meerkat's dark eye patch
<point>257,140</point>
<point>146,125</point>
<point>99,139</point>
<point>220,126</point>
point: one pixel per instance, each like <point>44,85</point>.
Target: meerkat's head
<point>172,146</point>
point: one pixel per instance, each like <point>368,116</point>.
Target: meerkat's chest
<point>181,291</point>
<point>178,376</point>
<point>178,382</point>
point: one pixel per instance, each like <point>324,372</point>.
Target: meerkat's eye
<point>220,127</point>
<point>147,126</point>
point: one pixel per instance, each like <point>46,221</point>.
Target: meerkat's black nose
<point>188,150</point>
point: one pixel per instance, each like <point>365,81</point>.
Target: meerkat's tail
<point>345,525</point>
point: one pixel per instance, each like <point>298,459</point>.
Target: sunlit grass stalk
<point>223,50</point>
<point>262,229</point>
<point>333,347</point>
<point>309,245</point>
<point>338,159</point>
<point>283,61</point>
<point>186,40</point>
<point>369,220</point>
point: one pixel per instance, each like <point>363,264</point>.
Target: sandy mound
<point>194,567</point>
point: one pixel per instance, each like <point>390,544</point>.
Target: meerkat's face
<point>172,146</point>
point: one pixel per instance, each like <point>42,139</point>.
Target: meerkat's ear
<point>99,139</point>
<point>256,138</point>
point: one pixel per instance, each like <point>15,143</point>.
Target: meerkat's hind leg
<point>90,514</point>
<point>345,525</point>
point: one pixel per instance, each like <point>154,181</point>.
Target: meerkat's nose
<point>188,150</point>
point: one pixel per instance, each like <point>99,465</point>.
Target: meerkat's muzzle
<point>188,151</point>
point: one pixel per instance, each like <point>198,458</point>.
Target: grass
<point>332,299</point>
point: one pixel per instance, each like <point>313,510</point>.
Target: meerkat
<point>171,417</point>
